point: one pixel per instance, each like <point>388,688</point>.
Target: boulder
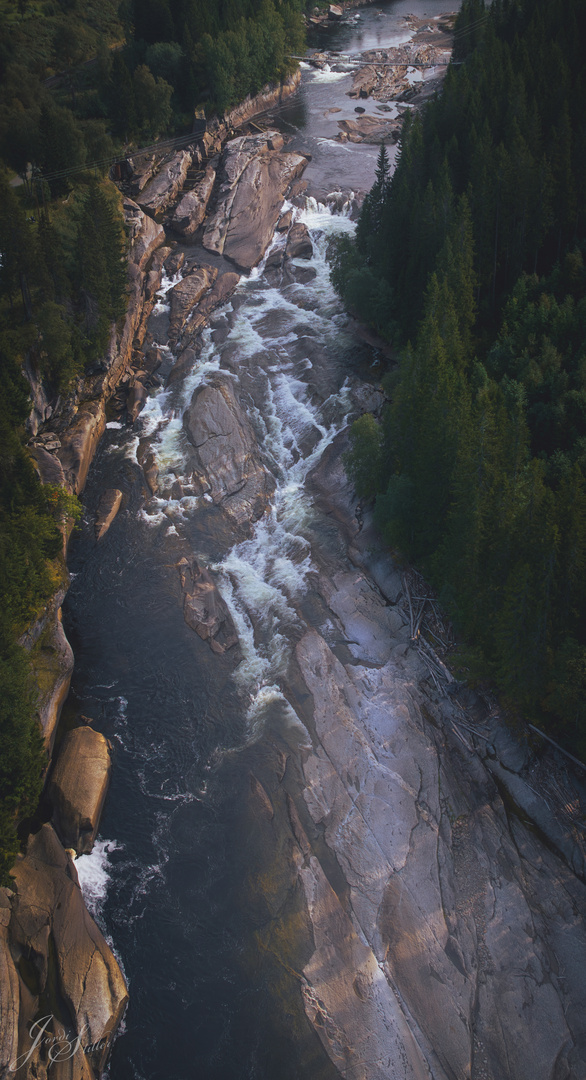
<point>186,295</point>
<point>142,171</point>
<point>78,786</point>
<point>161,191</point>
<point>66,960</point>
<point>204,609</point>
<point>335,13</point>
<point>227,462</point>
<point>48,466</point>
<point>191,209</point>
<point>284,222</point>
<point>218,294</point>
<point>148,463</point>
<point>174,262</point>
<point>146,235</point>
<point>257,205</point>
<point>182,366</point>
<point>370,129</point>
<point>108,507</point>
<point>255,180</point>
<point>79,443</point>
<point>137,396</point>
<point>299,244</point>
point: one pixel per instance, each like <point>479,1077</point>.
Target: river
<point>204,918</point>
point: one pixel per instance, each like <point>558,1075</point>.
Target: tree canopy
<point>478,243</point>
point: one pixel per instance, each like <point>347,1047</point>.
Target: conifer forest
<point>470,260</point>
<point>80,84</point>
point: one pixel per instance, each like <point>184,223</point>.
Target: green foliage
<point>76,80</point>
<point>22,759</point>
<point>479,240</point>
<point>363,462</point>
<point>152,99</point>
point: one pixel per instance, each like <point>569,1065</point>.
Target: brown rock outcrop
<point>218,294</point>
<point>51,658</point>
<point>108,507</point>
<point>9,991</point>
<point>48,466</point>
<point>137,396</point>
<point>255,180</point>
<point>66,957</point>
<point>259,103</point>
<point>186,295</point>
<point>80,442</point>
<point>78,786</point>
<point>299,244</point>
<point>174,262</point>
<point>80,439</point>
<point>146,235</point>
<point>148,463</point>
<point>204,609</point>
<point>191,210</point>
<point>227,460</point>
<point>161,191</point>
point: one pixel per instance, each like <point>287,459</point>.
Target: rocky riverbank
<point>427,904</point>
<point>62,992</point>
<point>399,78</point>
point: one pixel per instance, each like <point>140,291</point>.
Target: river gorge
<point>319,855</point>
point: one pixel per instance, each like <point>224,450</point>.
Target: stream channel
<point>181,880</point>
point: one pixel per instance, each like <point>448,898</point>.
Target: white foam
<point>114,425</point>
<point>94,875</point>
<point>328,76</point>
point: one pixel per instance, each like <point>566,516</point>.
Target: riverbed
<point>194,878</point>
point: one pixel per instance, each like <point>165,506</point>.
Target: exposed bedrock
<point>218,294</point>
<point>80,436</point>
<point>299,244</point>
<point>191,209</point>
<point>227,463</point>
<point>51,660</point>
<point>204,609</point>
<point>56,961</point>
<point>186,295</point>
<point>255,177</point>
<point>161,191</point>
<point>475,925</point>
<point>108,507</point>
<point>78,786</point>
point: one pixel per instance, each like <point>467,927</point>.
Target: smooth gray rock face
<point>255,179</point>
<point>108,507</point>
<point>470,919</point>
<point>191,209</point>
<point>78,787</point>
<point>227,460</point>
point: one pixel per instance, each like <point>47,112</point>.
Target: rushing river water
<point>181,881</point>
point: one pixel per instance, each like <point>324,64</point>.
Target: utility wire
<point>103,162</point>
<point>168,143</point>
